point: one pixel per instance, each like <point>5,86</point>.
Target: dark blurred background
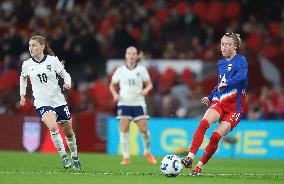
<point>87,34</point>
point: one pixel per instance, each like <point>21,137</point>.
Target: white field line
<point>244,175</point>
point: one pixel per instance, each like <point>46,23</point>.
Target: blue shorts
<point>132,112</point>
<point>62,112</point>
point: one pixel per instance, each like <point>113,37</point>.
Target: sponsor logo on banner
<point>31,133</point>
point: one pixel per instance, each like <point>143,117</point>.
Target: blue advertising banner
<point>251,139</point>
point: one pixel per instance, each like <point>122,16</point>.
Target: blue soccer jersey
<point>235,74</point>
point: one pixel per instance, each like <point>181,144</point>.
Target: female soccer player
<point>227,101</point>
<point>131,102</point>
<point>42,69</point>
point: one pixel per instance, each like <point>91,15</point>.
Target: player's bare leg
<point>124,142</point>
<point>50,121</point>
<point>71,142</point>
<point>143,127</point>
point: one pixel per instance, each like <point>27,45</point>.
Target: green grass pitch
<point>22,168</point>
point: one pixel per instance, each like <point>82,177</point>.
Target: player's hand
<point>144,92</point>
<point>67,86</point>
<point>23,101</point>
<point>205,101</point>
<point>221,86</point>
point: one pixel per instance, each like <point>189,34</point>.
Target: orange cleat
<point>125,161</point>
<point>151,159</point>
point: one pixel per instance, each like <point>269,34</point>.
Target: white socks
<point>71,142</point>
<point>58,142</point>
<point>200,164</point>
<point>124,144</point>
<point>191,155</point>
<point>146,141</point>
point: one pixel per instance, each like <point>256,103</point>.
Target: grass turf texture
<point>21,167</point>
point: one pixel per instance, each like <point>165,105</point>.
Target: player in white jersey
<point>42,70</point>
<point>131,101</point>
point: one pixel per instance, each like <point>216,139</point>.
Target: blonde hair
<point>42,41</point>
<point>237,39</point>
<point>47,49</point>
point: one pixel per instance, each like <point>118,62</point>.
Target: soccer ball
<point>171,166</point>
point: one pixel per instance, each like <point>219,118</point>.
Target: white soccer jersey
<point>131,85</point>
<point>42,74</point>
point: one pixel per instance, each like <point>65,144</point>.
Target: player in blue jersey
<point>226,101</point>
<point>42,70</point>
<point>134,84</point>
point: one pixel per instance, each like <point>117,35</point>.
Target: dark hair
<point>140,55</point>
<point>237,39</point>
<point>47,49</point>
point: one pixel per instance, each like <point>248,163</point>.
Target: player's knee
<point>54,130</point>
<point>69,133</point>
<point>204,125</point>
<point>215,138</point>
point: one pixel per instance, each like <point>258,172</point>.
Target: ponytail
<point>48,50</point>
<point>140,57</point>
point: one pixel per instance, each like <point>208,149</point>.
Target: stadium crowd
<point>87,33</point>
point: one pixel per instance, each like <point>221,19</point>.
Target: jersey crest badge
<point>48,67</point>
<point>230,67</point>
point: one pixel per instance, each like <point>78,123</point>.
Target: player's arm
<point>148,87</point>
<point>212,93</point>
<point>60,70</point>
<point>240,76</point>
<point>23,86</point>
<point>113,84</point>
<point>208,99</point>
<point>67,79</point>
<point>112,88</point>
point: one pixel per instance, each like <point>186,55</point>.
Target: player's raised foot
<point>66,162</point>
<point>197,171</point>
<point>125,161</point>
<point>187,162</point>
<point>151,159</point>
<point>76,164</point>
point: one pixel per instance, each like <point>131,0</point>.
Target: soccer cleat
<point>66,162</point>
<point>187,162</point>
<point>125,161</point>
<point>151,159</point>
<point>196,171</point>
<point>76,164</point>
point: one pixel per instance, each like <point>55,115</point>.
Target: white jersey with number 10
<point>42,74</point>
